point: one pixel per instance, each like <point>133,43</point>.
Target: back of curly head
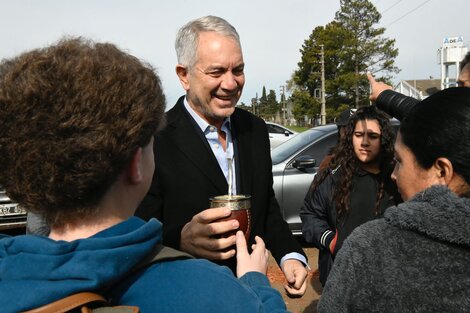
<point>72,116</point>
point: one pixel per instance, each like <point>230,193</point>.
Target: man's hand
<point>257,261</point>
<point>376,87</point>
<point>201,236</point>
<point>296,276</point>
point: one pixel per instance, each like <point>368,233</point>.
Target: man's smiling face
<point>215,82</point>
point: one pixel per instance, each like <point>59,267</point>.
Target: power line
<point>406,14</point>
<point>391,6</point>
<point>378,1</point>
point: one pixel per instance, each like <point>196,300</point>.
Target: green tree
<point>267,105</point>
<point>262,103</point>
<point>304,105</point>
<point>352,45</point>
<point>366,48</point>
<point>272,106</point>
<point>243,106</point>
<point>308,74</point>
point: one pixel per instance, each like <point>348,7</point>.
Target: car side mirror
<point>286,133</point>
<point>304,162</point>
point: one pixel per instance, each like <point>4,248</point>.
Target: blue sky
<point>272,31</point>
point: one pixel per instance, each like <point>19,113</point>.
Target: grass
<point>298,129</point>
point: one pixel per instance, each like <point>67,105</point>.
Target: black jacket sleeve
<point>395,104</point>
<point>318,216</point>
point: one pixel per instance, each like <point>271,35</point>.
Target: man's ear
<point>444,170</point>
<point>183,73</point>
<point>134,169</point>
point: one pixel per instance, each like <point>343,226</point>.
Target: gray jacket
<point>415,259</point>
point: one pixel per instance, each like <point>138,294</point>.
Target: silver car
<point>295,164</point>
<point>11,214</point>
<point>278,134</point>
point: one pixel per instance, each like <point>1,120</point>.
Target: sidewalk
<point>307,303</point>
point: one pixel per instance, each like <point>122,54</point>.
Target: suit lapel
<point>190,141</point>
<point>243,150</point>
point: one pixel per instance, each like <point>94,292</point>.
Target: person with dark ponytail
<point>354,189</point>
<point>415,259</point>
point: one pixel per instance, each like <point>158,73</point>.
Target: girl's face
<point>366,141</point>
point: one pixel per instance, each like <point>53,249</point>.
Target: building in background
<point>419,88</point>
<point>450,54</point>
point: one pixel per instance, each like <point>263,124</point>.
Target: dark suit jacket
<point>187,175</point>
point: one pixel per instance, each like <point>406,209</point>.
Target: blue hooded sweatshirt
<point>37,270</point>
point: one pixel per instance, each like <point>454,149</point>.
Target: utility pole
<point>283,104</point>
<point>254,102</point>
<point>357,85</point>
<point>322,62</point>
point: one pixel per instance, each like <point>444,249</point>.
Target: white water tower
<point>451,53</point>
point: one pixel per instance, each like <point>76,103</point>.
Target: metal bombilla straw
<point>230,178</point>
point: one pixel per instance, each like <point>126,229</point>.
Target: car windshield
<point>282,152</point>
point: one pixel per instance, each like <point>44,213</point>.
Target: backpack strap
<point>161,253</point>
<point>83,302</point>
<point>164,253</point>
<point>68,303</point>
<point>78,302</point>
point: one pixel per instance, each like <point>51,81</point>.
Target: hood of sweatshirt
<point>36,270</point>
<point>435,212</point>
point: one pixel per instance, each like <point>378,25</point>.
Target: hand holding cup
<point>240,206</point>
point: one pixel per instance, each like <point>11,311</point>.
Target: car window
<point>321,148</point>
<point>275,129</point>
<point>292,146</point>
